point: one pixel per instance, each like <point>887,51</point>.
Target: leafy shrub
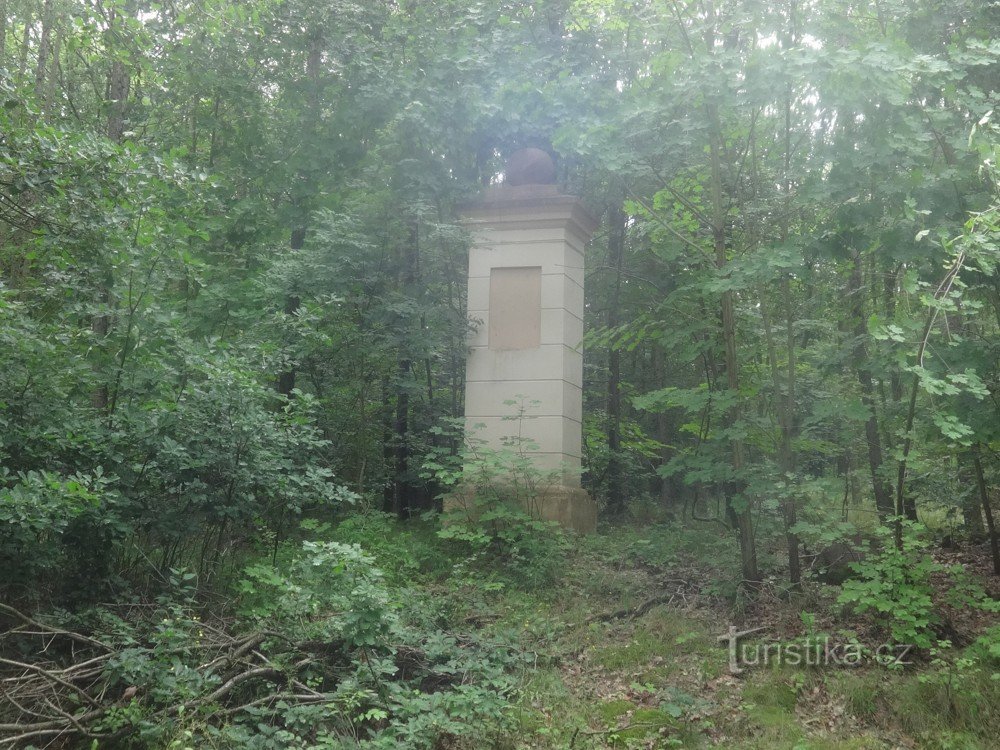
<point>50,526</point>
<point>493,520</point>
<point>895,583</point>
<point>332,591</point>
<point>403,551</point>
<point>508,545</point>
<point>222,457</point>
<point>324,653</point>
<point>384,672</point>
<point>194,455</point>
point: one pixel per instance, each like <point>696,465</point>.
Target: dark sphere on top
<point>530,166</point>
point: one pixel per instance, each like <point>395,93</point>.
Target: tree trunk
<point>786,453</point>
<point>118,90</point>
<point>388,452</point>
<point>3,32</point>
<point>401,451</point>
<point>301,208</point>
<point>22,63</point>
<point>662,425</point>
<point>616,474</point>
<point>286,378</point>
<point>854,481</point>
<point>44,52</point>
<point>972,511</point>
<point>403,491</point>
<point>52,77</point>
<point>100,325</point>
<point>882,490</point>
<point>786,462</point>
<point>906,503</point>
<point>984,497</point>
<point>739,508</point>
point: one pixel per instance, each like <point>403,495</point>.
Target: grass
<point>944,706</point>
<point>662,645</point>
<point>661,680</point>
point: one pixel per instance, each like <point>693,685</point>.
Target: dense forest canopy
<point>232,274</point>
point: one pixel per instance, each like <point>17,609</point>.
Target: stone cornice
<point>528,206</point>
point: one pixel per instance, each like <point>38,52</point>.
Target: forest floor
<point>628,654</point>
<point>616,640</point>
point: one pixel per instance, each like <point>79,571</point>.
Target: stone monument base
<point>571,507</point>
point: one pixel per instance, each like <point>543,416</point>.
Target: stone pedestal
<point>526,299</point>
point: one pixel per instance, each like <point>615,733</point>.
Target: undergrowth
<point>370,633</point>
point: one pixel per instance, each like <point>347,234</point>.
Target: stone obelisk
<point>526,301</point>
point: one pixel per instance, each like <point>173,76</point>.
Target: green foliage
<point>405,551</point>
<point>494,519</point>
<point>50,526</point>
<point>333,594</point>
<point>893,582</point>
<point>961,682</point>
<point>222,455</point>
<point>951,704</point>
<point>232,274</point>
<point>332,591</point>
<point>506,545</point>
<point>384,672</point>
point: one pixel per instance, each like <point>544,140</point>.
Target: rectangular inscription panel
<point>516,308</point>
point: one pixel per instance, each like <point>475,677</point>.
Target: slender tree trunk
<point>984,497</point>
<point>662,425</point>
<point>895,381</point>
<point>972,511</point>
<point>786,453</point>
<point>44,52</point>
<point>100,325</point>
<point>388,450</point>
<point>301,208</point>
<point>883,492</point>
<point>119,82</point>
<point>855,482</point>
<point>404,492</point>
<point>428,375</point>
<point>401,454</point>
<point>3,32</point>
<point>118,89</point>
<point>616,474</point>
<point>738,507</point>
<point>213,141</point>
<point>22,64</point>
<point>286,378</point>
<point>786,461</point>
<point>51,79</point>
<point>906,503</point>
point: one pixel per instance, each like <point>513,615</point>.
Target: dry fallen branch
<point>67,691</point>
<point>48,629</point>
<point>680,590</point>
<point>64,691</point>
